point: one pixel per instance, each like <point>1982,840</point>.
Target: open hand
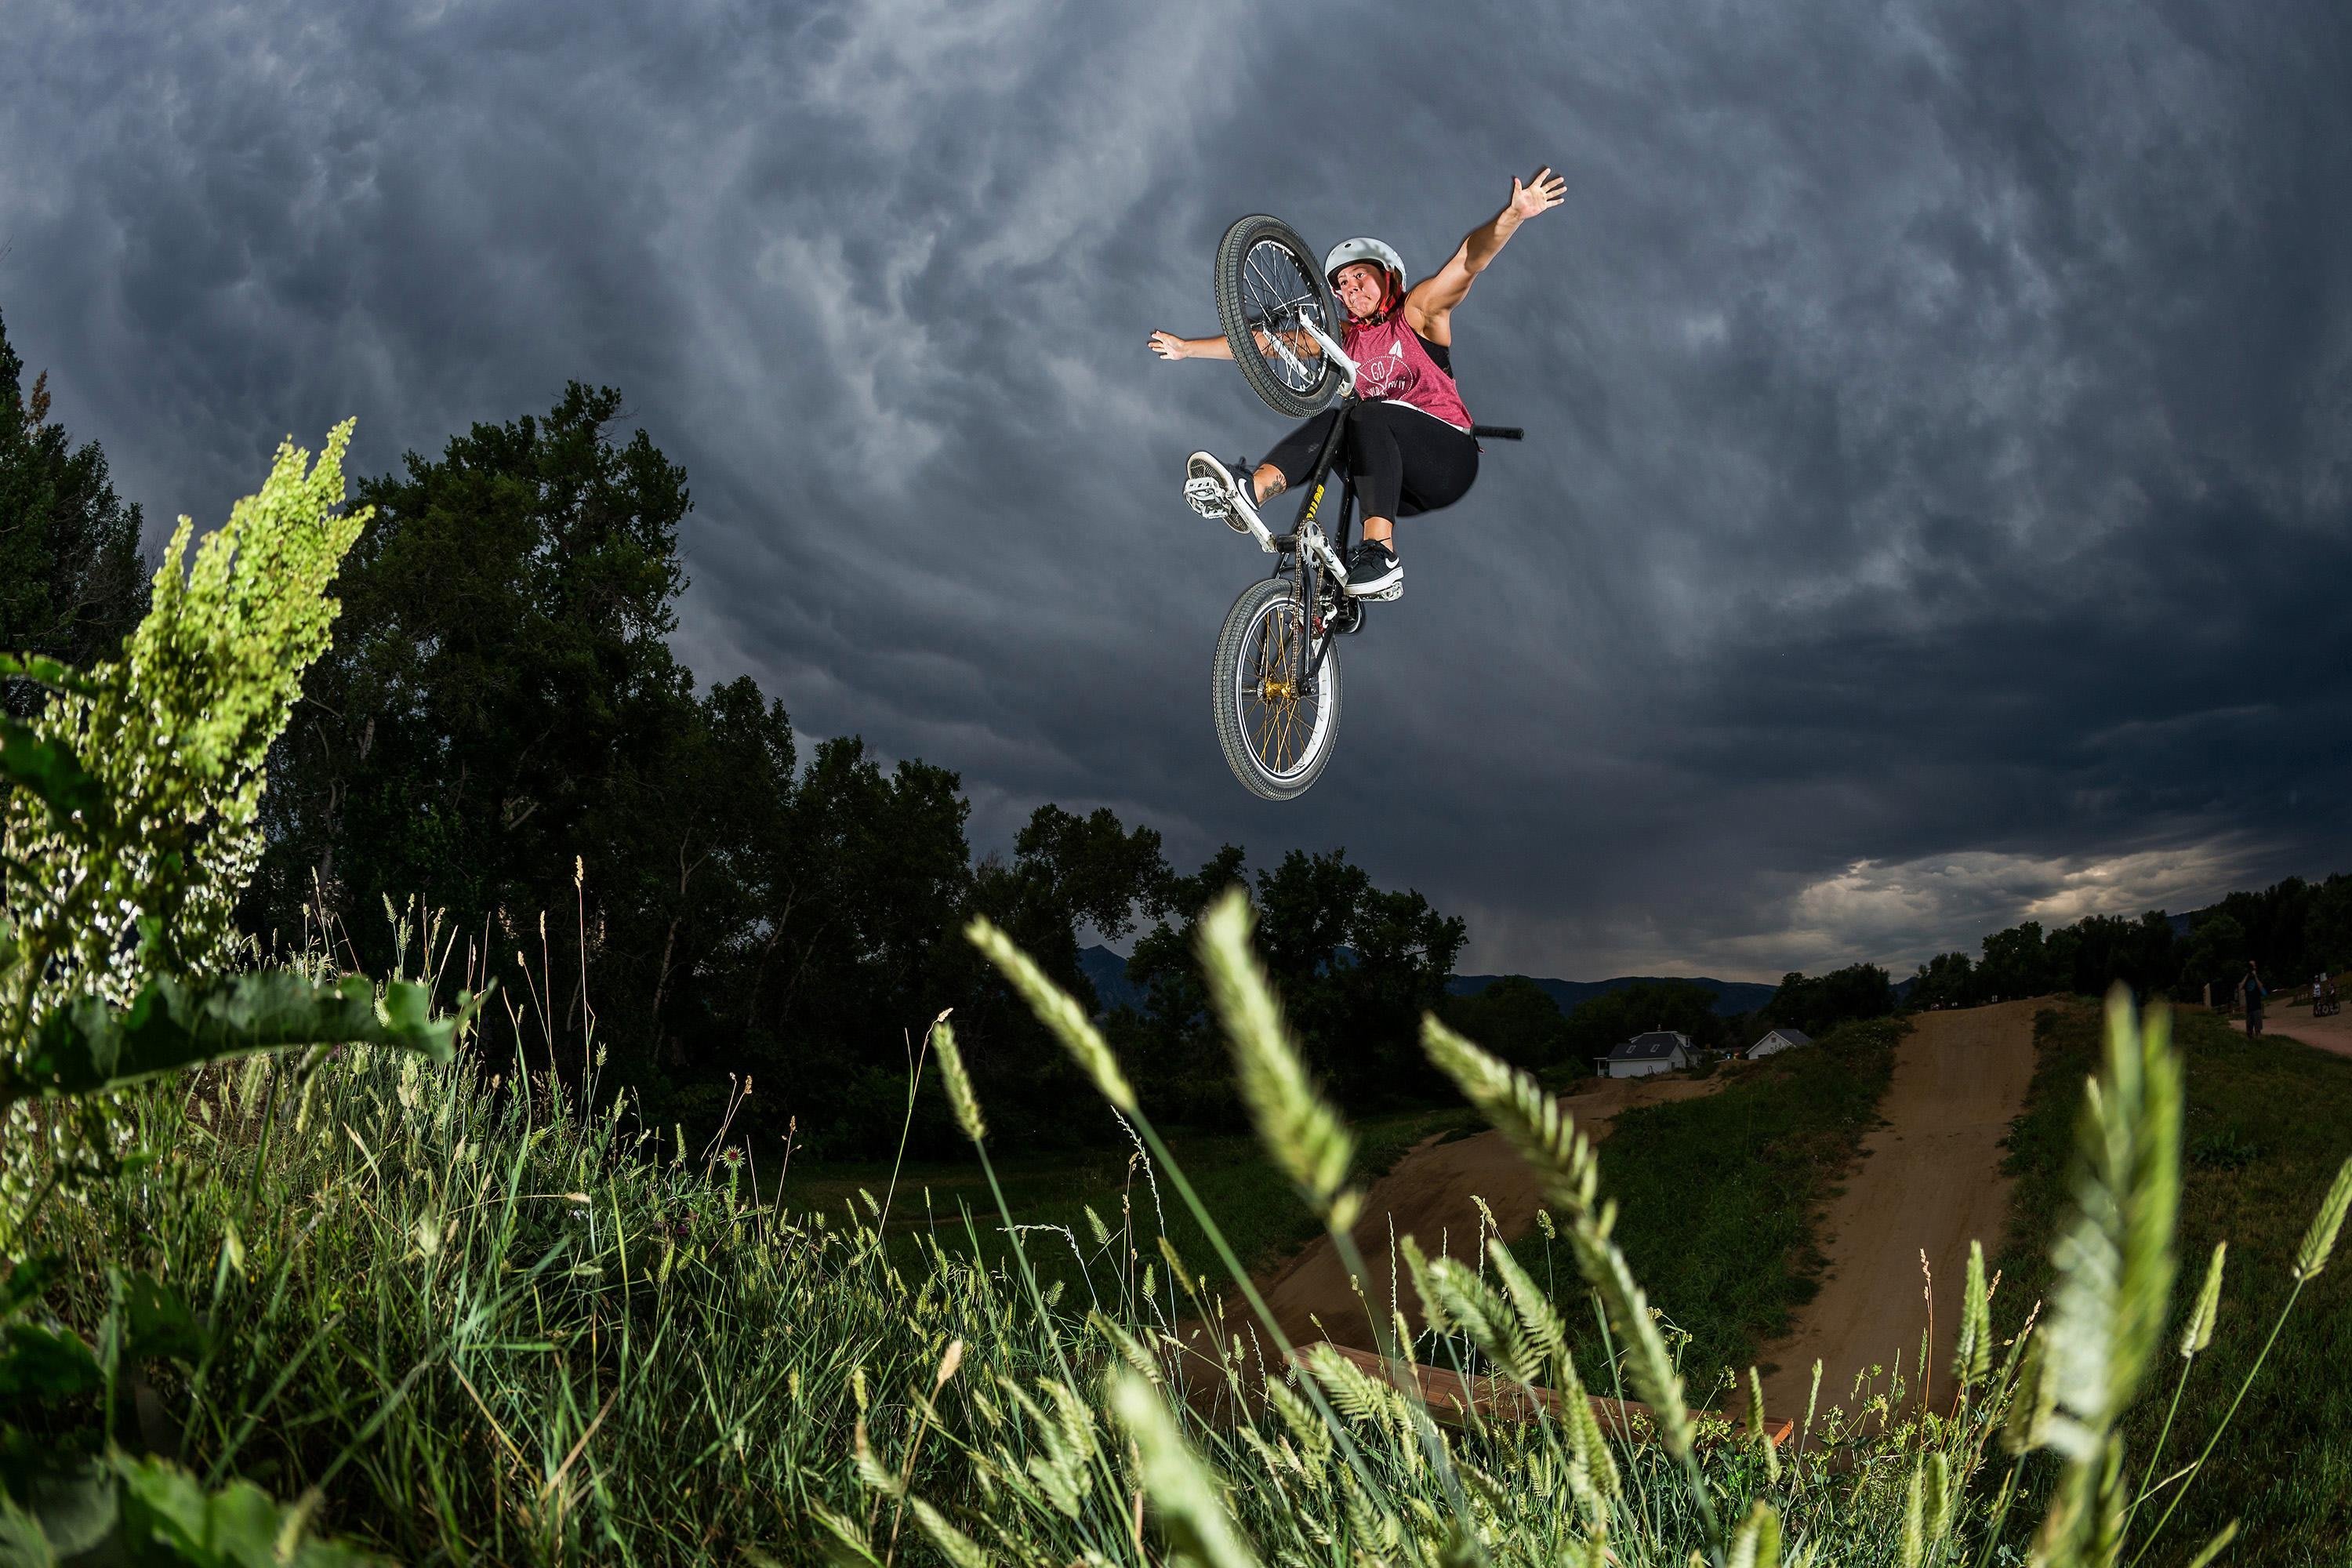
<point>1540,193</point>
<point>1167,345</point>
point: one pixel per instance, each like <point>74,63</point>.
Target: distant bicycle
<point>1274,693</point>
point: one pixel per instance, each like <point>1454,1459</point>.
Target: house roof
<point>1794,1036</point>
<point>1655,1046</point>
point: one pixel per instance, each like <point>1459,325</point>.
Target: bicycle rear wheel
<point>1269,284</point>
<point>1276,729</point>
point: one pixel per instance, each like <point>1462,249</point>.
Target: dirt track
<point>2329,1034</point>
<point>1929,1180</point>
<point>1427,1195</point>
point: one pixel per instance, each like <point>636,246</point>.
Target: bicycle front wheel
<point>1277,722</point>
<point>1268,287</point>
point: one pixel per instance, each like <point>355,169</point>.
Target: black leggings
<point>1403,461</point>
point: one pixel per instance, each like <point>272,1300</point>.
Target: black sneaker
<point>1373,569</point>
<point>1211,489</point>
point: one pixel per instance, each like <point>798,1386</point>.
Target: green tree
<point>2015,964</point>
<point>2331,924</point>
<point>502,679</point>
<point>1067,872</point>
<point>2105,949</point>
<point>1819,1005</point>
<point>851,948</point>
<point>2217,956</point>
<point>72,583</point>
<point>1357,965</point>
<point>1613,1017</point>
<point>1177,1063</point>
<point>502,731</point>
<point>1946,980</point>
<point>1516,1019</point>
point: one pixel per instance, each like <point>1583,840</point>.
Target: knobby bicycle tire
<point>1234,645</point>
<point>1233,254</point>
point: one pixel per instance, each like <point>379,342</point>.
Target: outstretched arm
<point>1429,309</point>
<point>1167,345</point>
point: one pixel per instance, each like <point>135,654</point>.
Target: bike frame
<point>1307,553</point>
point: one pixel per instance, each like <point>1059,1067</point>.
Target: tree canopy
<point>502,732</point>
<point>2291,929</point>
<point>73,580</point>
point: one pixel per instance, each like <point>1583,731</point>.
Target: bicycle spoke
<point>1272,314</point>
<point>1266,299</point>
<point>1281,716</point>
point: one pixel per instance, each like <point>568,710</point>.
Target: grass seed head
<point>2200,1332</point>
<point>1757,1542</point>
<point>1305,1136</point>
<point>1057,1009</point>
<point>954,1545</point>
<point>1182,1490</point>
<point>2319,1241</point>
<point>2114,1255</point>
<point>1972,1358</point>
<point>957,1080</point>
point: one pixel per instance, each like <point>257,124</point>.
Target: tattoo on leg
<point>1272,487</point>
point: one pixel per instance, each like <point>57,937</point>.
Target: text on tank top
<point>1393,365</point>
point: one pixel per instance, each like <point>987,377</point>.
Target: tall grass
<point>2264,1126</point>
<point>477,1323</point>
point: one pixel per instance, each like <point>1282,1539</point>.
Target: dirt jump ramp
<point>1929,1181</point>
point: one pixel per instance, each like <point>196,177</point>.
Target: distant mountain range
<point>1108,970</point>
<point>1731,996</point>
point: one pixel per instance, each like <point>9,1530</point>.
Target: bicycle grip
<point>1499,432</point>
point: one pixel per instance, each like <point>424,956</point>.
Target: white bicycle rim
<point>1297,728</point>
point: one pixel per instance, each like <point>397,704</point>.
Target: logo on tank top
<point>1389,369</point>
<point>1385,374</point>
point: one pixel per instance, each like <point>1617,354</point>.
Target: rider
<point>1410,449</point>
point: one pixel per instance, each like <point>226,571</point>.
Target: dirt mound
<point>1427,1195</point>
<point>1928,1182</point>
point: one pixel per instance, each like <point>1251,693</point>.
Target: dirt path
<point>1929,1180</point>
<point>2333,1033</point>
<point>1427,1195</point>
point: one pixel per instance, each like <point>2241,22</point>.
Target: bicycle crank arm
<point>1258,532</point>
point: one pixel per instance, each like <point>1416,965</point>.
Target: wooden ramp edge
<point>1453,1398</point>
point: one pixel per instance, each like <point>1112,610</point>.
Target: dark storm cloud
<point>1936,506</point>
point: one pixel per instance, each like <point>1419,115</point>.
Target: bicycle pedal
<point>1385,596</point>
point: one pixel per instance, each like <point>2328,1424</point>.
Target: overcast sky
<point>1936,508</point>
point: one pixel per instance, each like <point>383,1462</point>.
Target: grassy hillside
<point>1721,1195</point>
<point>2265,1127</point>
<point>1257,1208</point>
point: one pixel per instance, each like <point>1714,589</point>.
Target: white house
<point>1774,1043</point>
<point>1660,1050</point>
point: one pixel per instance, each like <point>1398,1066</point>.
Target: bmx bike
<point>1275,681</point>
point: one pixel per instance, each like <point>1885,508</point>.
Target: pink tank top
<point>1393,366</point>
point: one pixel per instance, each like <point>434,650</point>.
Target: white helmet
<point>1364,247</point>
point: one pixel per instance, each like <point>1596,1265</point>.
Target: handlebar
<point>1498,432</point>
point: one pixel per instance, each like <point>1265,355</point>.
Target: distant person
<point>2250,988</point>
